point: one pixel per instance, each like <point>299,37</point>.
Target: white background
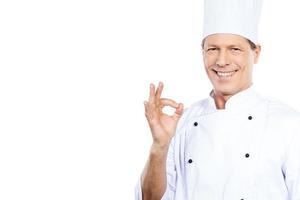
<point>74,75</point>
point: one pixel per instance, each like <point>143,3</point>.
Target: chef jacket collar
<point>245,99</point>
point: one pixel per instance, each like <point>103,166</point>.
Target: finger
<point>146,106</point>
<point>152,94</point>
<point>159,91</point>
<point>147,111</point>
<point>168,102</point>
<point>179,110</point>
<point>149,114</point>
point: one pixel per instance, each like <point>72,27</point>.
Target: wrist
<point>159,148</point>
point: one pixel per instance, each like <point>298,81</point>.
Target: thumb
<point>179,111</point>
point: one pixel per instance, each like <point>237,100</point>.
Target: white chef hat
<point>238,17</point>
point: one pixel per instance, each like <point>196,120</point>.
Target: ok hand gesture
<point>163,126</point>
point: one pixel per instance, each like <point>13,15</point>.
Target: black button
<point>196,124</point>
<point>247,155</point>
<point>250,117</point>
<point>190,161</point>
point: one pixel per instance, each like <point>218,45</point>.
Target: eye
<point>235,49</point>
<point>211,49</point>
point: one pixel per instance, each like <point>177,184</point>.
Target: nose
<point>222,59</point>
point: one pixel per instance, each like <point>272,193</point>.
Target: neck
<point>221,98</point>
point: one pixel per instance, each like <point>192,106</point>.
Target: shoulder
<point>282,115</point>
<point>281,110</point>
<point>195,109</point>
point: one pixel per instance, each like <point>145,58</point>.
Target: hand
<point>163,126</point>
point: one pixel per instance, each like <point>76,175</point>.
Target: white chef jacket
<point>248,151</point>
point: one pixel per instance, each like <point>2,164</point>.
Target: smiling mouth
<point>226,74</point>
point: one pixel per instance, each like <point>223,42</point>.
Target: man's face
<point>228,61</point>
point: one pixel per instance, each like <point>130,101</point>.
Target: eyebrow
<point>229,46</point>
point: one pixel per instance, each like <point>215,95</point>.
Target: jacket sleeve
<point>171,174</point>
<point>292,167</point>
<point>171,177</point>
<point>170,163</point>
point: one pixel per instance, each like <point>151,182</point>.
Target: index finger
<point>168,102</point>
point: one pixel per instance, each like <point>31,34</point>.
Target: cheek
<point>242,62</point>
<point>209,61</point>
<point>245,66</point>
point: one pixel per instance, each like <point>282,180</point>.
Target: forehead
<point>225,39</point>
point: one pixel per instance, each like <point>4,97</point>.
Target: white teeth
<point>225,74</point>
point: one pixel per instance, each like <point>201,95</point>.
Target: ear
<point>257,53</point>
<point>203,55</point>
<point>202,47</point>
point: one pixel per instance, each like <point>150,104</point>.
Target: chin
<point>225,89</point>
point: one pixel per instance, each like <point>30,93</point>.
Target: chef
<point>234,145</point>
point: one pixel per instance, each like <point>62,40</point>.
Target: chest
<point>229,153</point>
